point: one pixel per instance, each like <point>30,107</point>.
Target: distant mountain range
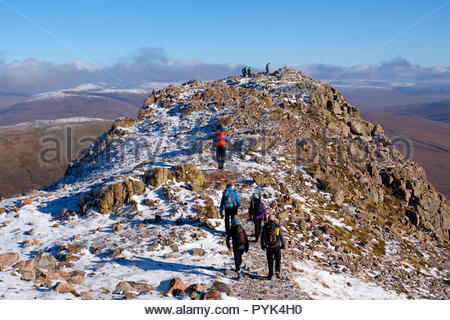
<point>88,100</point>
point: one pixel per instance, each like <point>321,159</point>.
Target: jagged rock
<point>189,173</point>
<point>2,210</point>
<point>334,107</point>
<point>212,295</point>
<point>158,176</point>
<point>176,287</point>
<point>114,196</point>
<point>9,258</point>
<point>377,130</point>
<point>26,269</point>
<point>356,128</point>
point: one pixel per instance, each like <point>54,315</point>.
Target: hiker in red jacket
<point>221,147</point>
<point>240,243</point>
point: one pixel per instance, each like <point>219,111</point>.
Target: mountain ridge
<point>144,197</point>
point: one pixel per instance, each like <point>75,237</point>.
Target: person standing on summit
<point>249,71</point>
<point>230,202</point>
<point>267,67</point>
<point>221,145</point>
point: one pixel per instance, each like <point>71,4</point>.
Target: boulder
<point>127,286</point>
<point>158,176</point>
<point>9,258</point>
<point>62,287</point>
<point>212,295</point>
<point>113,196</point>
<point>208,211</point>
<point>46,262</point>
<point>189,173</point>
<point>176,287</point>
<point>194,290</point>
<point>222,287</point>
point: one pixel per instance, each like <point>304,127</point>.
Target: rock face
<point>425,207</point>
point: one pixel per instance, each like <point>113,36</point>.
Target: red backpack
<point>221,139</point>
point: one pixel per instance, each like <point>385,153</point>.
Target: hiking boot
<point>269,277</point>
<point>277,274</point>
<point>238,274</point>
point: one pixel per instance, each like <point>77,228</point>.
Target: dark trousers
<point>229,215</point>
<point>220,154</point>
<point>238,258</point>
<point>274,254</point>
<point>258,228</point>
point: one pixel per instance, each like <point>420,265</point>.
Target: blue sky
<point>250,32</point>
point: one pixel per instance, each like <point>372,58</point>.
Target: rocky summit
<point>136,215</point>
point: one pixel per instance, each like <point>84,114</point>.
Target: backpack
<point>221,139</point>
<point>230,202</point>
<point>240,236</point>
<point>273,235</point>
<point>257,207</point>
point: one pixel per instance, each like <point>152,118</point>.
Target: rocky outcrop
<point>158,176</point>
<point>424,206</point>
<point>190,174</point>
<point>113,196</point>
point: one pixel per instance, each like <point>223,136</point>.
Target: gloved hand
<point>221,215</point>
<point>263,247</point>
<point>246,250</point>
<point>282,247</point>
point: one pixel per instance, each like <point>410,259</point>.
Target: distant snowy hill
<point>88,100</point>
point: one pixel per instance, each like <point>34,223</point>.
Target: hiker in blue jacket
<point>230,202</point>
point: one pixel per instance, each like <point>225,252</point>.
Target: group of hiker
<point>269,235</point>
<point>247,71</point>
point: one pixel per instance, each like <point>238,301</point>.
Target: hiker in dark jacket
<point>272,241</point>
<point>257,212</point>
<point>230,202</point>
<point>267,67</point>
<point>221,143</point>
<point>240,243</point>
<point>244,71</point>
